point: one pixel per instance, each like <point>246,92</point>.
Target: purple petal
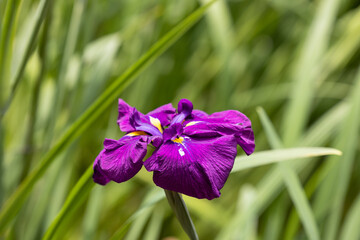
<point>98,176</point>
<point>120,160</point>
<point>164,113</point>
<point>142,122</point>
<point>230,116</point>
<point>229,122</point>
<point>185,108</point>
<point>173,131</point>
<point>125,110</point>
<point>199,113</point>
<point>246,140</point>
<point>198,168</point>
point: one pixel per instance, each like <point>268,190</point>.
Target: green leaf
<point>347,141</point>
<point>103,102</point>
<point>273,156</point>
<point>39,18</point>
<point>242,224</point>
<point>154,228</point>
<point>320,132</point>
<point>292,181</point>
<point>179,207</point>
<point>351,230</point>
<point>308,65</point>
<point>76,197</point>
<point>145,209</point>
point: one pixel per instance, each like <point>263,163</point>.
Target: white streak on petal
<point>181,152</point>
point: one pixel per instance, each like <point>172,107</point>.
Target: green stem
<point>179,207</point>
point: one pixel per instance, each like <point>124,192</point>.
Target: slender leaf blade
<point>273,156</point>
<point>292,181</point>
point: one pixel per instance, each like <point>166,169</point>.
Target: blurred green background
<point>298,60</point>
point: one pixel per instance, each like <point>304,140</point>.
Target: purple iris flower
<point>194,154</point>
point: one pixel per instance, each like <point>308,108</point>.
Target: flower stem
<point>179,207</point>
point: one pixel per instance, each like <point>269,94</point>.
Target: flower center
<point>178,140</point>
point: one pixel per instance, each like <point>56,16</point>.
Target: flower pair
<point>194,153</point>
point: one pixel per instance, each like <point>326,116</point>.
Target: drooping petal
<point>98,176</point>
<point>121,159</point>
<point>197,168</point>
<point>246,140</point>
<point>163,113</point>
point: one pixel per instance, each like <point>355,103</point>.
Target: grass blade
<point>7,32</point>
<point>150,200</point>
<point>348,142</point>
<point>138,225</point>
<point>271,184</point>
<point>273,156</point>
<point>292,181</point>
<point>308,65</point>
<point>351,230</point>
<point>39,17</point>
<point>154,228</point>
<point>104,101</point>
<point>77,195</point>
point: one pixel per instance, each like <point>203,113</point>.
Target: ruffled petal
<point>223,123</point>
<point>230,116</point>
<point>198,168</point>
<point>199,113</point>
<point>164,113</point>
<point>121,159</point>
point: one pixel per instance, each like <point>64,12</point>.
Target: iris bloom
<point>194,154</point>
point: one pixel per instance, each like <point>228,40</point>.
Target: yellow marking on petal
<point>191,123</point>
<point>136,133</point>
<point>178,140</point>
<point>156,123</point>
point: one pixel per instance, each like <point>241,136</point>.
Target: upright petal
<point>121,159</point>
<point>198,168</point>
<point>125,111</point>
<point>145,123</point>
<point>164,113</point>
<point>185,108</point>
